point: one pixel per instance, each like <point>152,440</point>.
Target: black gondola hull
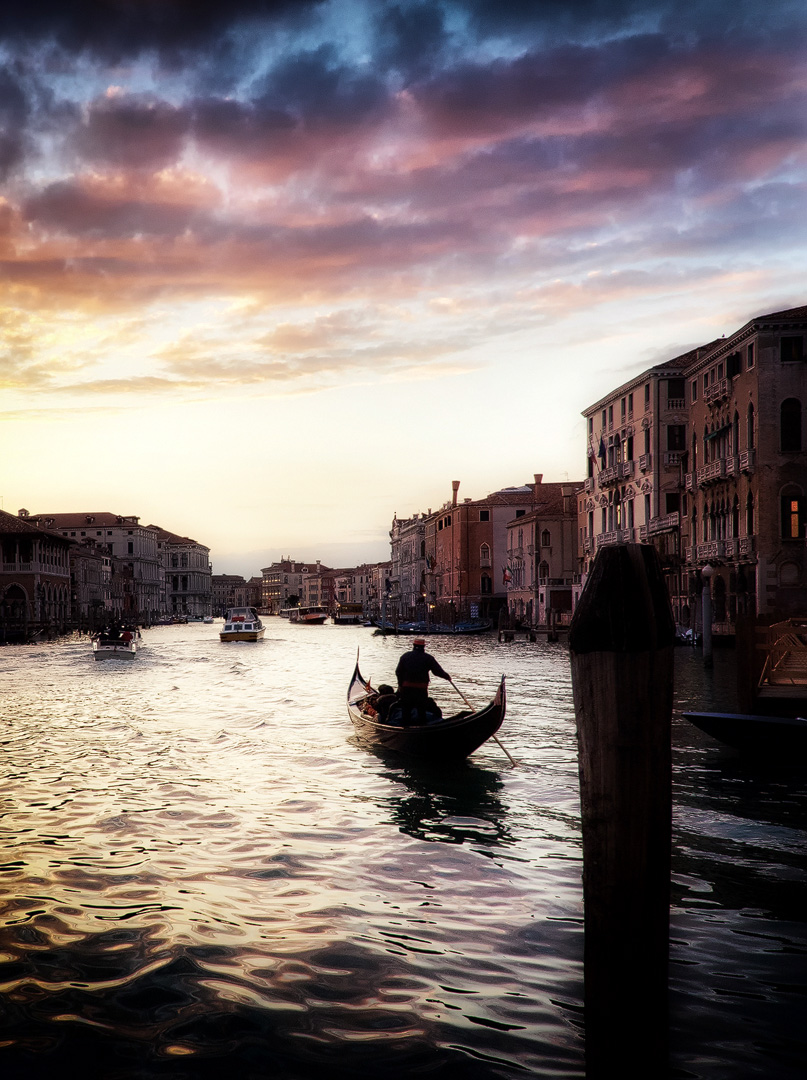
<point>452,738</point>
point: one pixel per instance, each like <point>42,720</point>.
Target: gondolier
<point>412,673</point>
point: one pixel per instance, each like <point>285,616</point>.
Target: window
<point>647,395</point>
<point>130,548</point>
<point>546,539</point>
<point>603,417</point>
<point>484,555</point>
<point>647,440</point>
<point>484,515</point>
<point>591,425</point>
<point>791,349</point>
<point>790,425</point>
<point>672,501</point>
<point>676,437</point>
<point>543,573</point>
<point>750,361</point>
<point>610,416</point>
<point>794,517</point>
<point>751,428</point>
<point>486,584</point>
<point>630,404</point>
<point>623,408</point>
<point>693,390</point>
<point>520,513</point>
<point>675,389</point>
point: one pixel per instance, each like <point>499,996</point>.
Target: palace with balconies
<point>722,474</point>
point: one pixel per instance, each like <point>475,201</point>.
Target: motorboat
<point>242,624</point>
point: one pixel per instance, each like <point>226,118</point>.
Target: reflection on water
<point>201,872</point>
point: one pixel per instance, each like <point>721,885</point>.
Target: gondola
<point>761,735</point>
<point>451,737</point>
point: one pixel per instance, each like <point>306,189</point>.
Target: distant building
<point>132,547</point>
<point>227,591</point>
<point>35,587</point>
<point>186,573</point>
<point>543,566</point>
<point>282,584</point>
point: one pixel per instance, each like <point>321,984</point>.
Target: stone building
<point>227,591</point>
<point>408,572</point>
<point>542,556</point>
<point>466,553</point>
<point>703,457</point>
<point>133,549</point>
<point>186,574</point>
<point>35,587</point>
<point>282,584</point>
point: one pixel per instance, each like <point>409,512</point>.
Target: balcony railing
<point>673,457</point>
<point>589,485</point>
<point>610,475</point>
<point>664,524</point>
<point>646,462</point>
<point>690,481</point>
<point>746,545</point>
<point>614,536</point>
<point>676,404</point>
<point>730,548</point>
<point>711,473</point>
<point>588,545</point>
<point>718,391</point>
<point>710,550</point>
<point>642,531</point>
<point>627,469</point>
<point>748,459</point>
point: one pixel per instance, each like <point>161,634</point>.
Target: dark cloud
<point>322,90</point>
<point>68,207</point>
<point>410,39</point>
<point>117,29</point>
<point>135,133</point>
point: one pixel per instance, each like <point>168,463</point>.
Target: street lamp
<point>706,577</point>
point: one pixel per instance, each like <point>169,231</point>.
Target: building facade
<point>35,585</point>
<point>703,457</point>
<point>186,575</point>
<point>542,557</point>
<point>133,549</point>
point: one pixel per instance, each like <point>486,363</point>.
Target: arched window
<point>751,428</point>
<point>545,538</point>
<point>719,598</point>
<point>790,425</point>
<point>486,584</point>
<point>735,434</point>
<point>484,555</point>
<point>749,514</point>
<point>735,517</point>
<point>543,573</point>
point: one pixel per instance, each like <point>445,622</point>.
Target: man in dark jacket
<point>412,673</point>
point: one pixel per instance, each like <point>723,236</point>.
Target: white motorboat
<point>242,624</point>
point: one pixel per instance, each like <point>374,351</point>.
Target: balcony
<point>646,462</point>
<point>672,458</point>
<point>748,460</point>
<point>610,475</point>
<point>690,481</point>
<point>712,473</point>
<point>710,551</point>
<point>588,487</point>
<point>689,554</point>
<point>588,546</point>
<point>729,548</point>
<point>614,536</point>
<point>746,545</point>
<point>717,392</point>
<point>642,531</point>
<point>676,404</point>
<point>664,524</point>
<point>627,469</point>
<point>732,465</point>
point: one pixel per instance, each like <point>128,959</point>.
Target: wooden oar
<point>498,741</point>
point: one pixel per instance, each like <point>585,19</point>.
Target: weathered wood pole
<point>621,641</point>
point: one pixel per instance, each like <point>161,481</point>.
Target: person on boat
<point>383,702</point>
<point>412,673</point>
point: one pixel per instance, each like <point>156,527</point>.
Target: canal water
<point>203,874</point>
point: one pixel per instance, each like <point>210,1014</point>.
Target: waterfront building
<point>408,592</point>
<point>186,574</point>
<point>227,591</point>
<point>542,556</point>
<point>132,547</point>
<point>91,592</point>
<point>466,553</point>
<point>282,584</point>
<point>35,587</point>
<point>702,456</point>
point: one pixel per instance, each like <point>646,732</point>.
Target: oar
<point>498,741</point>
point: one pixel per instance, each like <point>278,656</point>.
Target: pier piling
<point>621,643</point>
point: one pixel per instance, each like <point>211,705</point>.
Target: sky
<point>271,273</point>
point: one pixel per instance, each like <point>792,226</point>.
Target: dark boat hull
<point>452,738</point>
<point>756,734</point>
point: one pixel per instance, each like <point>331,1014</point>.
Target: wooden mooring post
<point>621,643</point>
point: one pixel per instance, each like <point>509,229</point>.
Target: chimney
<point>455,486</point>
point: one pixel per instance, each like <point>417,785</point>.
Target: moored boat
<point>242,624</point>
<point>762,735</point>
<point>443,739</point>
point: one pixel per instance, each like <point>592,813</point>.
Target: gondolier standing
<point>412,673</point>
